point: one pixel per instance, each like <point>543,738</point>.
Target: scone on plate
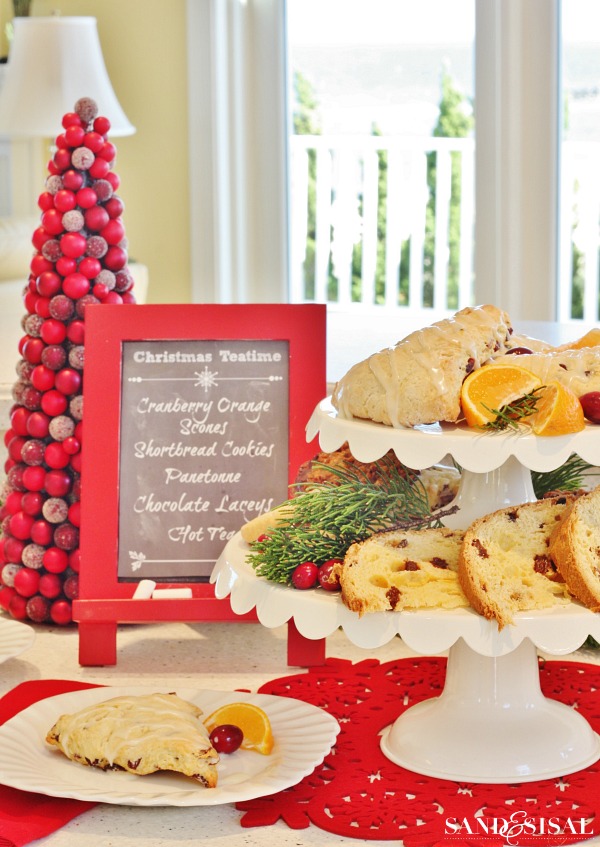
<point>575,548</point>
<point>140,734</point>
<point>505,565</point>
<point>403,569</point>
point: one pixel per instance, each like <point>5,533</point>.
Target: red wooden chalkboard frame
<point>104,601</point>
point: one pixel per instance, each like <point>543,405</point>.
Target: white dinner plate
<point>15,638</point>
<point>303,735</point>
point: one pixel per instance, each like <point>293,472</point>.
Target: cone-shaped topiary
<point>80,258</point>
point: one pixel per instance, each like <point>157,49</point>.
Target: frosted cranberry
<point>82,158</point>
<point>18,420</point>
<point>66,265</point>
<point>14,476</point>
<point>107,278</point>
<point>73,180</point>
<point>54,402</point>
<point>89,267</point>
<point>96,247</point>
<point>114,206</point>
<point>66,536</point>
<point>305,575</point>
<point>53,331</point>
<point>57,482</point>
<point>32,502</point>
<point>64,200</point>
<point>60,612</point>
<point>54,356</point>
<point>86,197</point>
<point>42,378</point>
<point>9,571</point>
<point>33,324</point>
<point>83,302</point>
<point>41,533</point>
<point>38,609</point>
<point>103,189</point>
<point>52,222</point>
<point>124,281</point>
<point>56,560</point>
<point>33,452</point>
<point>32,349</point>
<point>54,184</point>
<point>33,478</point>
<point>96,218</point>
<point>73,244</point>
<point>102,125</point>
<point>27,582</point>
<point>73,221</point>
<point>56,456</point>
<point>87,109</point>
<point>31,398</point>
<point>61,427</point>
<point>71,587</point>
<point>75,286</point>
<point>33,556</point>
<point>226,738</point>
<point>40,263</point>
<point>76,332</point>
<point>61,307</point>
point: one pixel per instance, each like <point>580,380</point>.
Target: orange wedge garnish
<point>251,719</point>
<point>558,411</point>
<point>491,387</point>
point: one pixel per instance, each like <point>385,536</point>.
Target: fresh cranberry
<point>305,576</point>
<point>326,579</point>
<point>226,738</point>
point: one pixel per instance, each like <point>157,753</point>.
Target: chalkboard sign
<point>202,450</point>
<point>194,420</point>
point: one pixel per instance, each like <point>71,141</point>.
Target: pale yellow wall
<point>144,46</point>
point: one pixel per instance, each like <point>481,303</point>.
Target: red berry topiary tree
<point>80,258</point>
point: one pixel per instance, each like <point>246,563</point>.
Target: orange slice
<point>558,411</point>
<point>251,719</point>
<point>492,387</point>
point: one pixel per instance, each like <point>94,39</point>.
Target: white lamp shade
<point>53,62</point>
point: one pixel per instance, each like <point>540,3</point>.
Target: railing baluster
<point>393,241</point>
<point>299,182</point>
<point>417,234</point>
<point>323,222</point>
<point>442,209</point>
<point>467,220</point>
<point>370,195</point>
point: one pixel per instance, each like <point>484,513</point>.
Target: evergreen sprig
<point>511,414</point>
<point>327,517</point>
<point>568,477</point>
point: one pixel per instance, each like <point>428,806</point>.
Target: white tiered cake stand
<point>491,723</point>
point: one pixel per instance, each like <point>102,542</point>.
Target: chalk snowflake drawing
<point>206,379</point>
<point>137,560</point>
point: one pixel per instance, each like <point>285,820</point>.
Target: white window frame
<point>238,144</point>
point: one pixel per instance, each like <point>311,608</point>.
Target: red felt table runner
<point>357,792</point>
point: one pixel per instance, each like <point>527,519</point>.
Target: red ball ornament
<point>114,180</point>
<point>114,206</point>
<point>46,201</point>
<point>52,332</point>
<point>76,285</point>
<point>6,595</point>
<point>13,549</point>
<point>73,244</point>
<point>86,198</point>
<point>56,560</point>
<point>96,218</point>
<point>74,135</point>
<point>52,222</point>
<point>32,502</point>
<point>32,350</point>
<point>101,125</point>
<point>57,482</point>
<point>39,264</point>
<point>71,119</point>
<point>54,402</point>
<point>27,582</point>
<point>108,151</point>
<point>76,332</point>
<point>40,236</point>
<point>42,532</point>
<point>42,378</point>
<point>13,504</point>
<point>66,265</point>
<point>75,560</point>
<point>50,585</point>
<point>113,232</point>
<point>15,447</point>
<point>64,200</point>
<point>113,297</point>
<point>115,259</point>
<point>19,526</point>
<point>42,307</point>
<point>48,284</point>
<point>56,456</point>
<point>62,159</point>
<point>34,478</point>
<point>18,607</point>
<point>89,267</point>
<point>60,612</point>
<point>75,462</point>
<point>100,168</point>
<point>73,181</point>
<point>18,420</point>
<point>70,587</point>
<point>68,380</point>
<point>71,445</point>
<point>75,514</point>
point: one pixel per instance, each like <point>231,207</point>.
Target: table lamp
<point>53,62</point>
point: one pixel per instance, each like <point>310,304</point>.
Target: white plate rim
<point>304,734</point>
<point>15,638</point>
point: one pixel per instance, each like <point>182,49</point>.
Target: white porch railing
<point>338,201</point>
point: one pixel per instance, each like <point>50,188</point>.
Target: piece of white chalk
<point>171,593</point>
<point>144,589</point>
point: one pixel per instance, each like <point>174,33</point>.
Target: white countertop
<point>225,656</point>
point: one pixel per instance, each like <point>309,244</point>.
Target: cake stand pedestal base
<point>491,724</point>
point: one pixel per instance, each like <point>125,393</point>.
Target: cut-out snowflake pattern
<point>137,560</point>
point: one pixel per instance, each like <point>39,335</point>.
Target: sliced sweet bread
<point>505,565</point>
<point>575,548</point>
<point>403,569</point>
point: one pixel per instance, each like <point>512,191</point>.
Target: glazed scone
<point>575,548</point>
<point>140,734</point>
<point>505,565</point>
<point>577,369</point>
<point>403,569</point>
<point>419,380</point>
